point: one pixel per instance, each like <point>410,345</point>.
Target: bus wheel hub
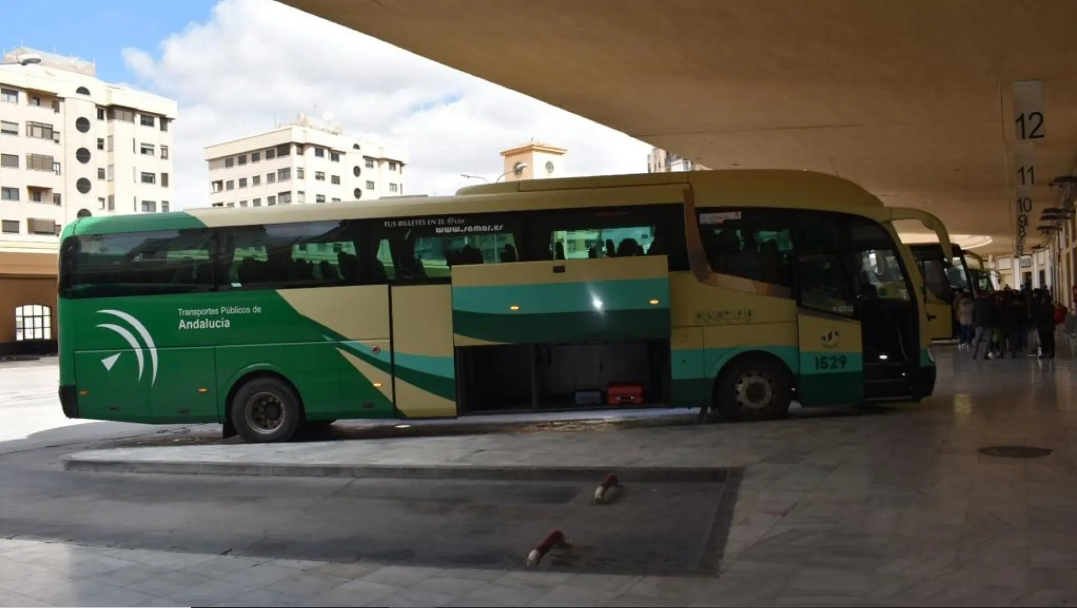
<point>754,391</point>
<point>265,413</point>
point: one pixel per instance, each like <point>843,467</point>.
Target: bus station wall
<point>15,292</point>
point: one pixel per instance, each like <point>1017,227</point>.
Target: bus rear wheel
<point>754,388</point>
<point>266,410</point>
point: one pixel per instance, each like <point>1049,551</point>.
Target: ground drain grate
<point>1015,451</point>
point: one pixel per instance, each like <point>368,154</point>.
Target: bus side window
<point>578,234</point>
<point>755,244</point>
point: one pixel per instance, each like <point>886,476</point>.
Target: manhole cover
<point>1015,451</point>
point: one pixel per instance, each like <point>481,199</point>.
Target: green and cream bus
<point>737,291</point>
<point>944,277</point>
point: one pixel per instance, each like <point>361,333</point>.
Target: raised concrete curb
<point>75,462</point>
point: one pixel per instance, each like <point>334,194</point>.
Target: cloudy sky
<point>238,66</point>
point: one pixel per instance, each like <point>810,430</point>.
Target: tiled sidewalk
<point>896,508</point>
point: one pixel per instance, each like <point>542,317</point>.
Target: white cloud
<point>257,61</point>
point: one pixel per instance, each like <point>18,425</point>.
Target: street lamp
<point>470,176</point>
<point>26,59</point>
<point>518,168</point>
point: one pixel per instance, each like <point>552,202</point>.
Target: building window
<point>230,205</point>
<point>271,178</point>
<point>256,202</point>
<point>9,161</point>
<point>392,165</point>
<point>284,197</point>
<point>82,155</point>
<point>256,180</point>
<point>299,173</point>
<point>9,194</point>
<point>82,124</point>
<point>101,173</point>
<point>101,203</point>
<point>230,185</point>
<point>56,168</point>
<point>110,143</point>
<point>300,196</point>
<point>9,226</point>
<point>100,113</point>
<point>112,202</point>
<point>229,163</point>
<point>242,182</point>
<point>164,124</point>
<point>39,130</point>
<point>39,226</point>
<point>111,172</point>
<point>241,159</point>
<point>284,174</point>
<point>148,178</point>
<point>83,185</point>
<point>9,96</point>
<point>33,322</point>
<point>149,207</point>
<point>39,162</point>
<point>319,198</point>
<point>122,114</point>
<point>164,206</point>
<point>392,188</point>
<point>335,179</point>
<point>369,185</point>
<point>216,186</point>
<point>9,128</point>
<point>82,91</point>
<point>357,193</point>
<point>336,200</point>
<point>242,203</point>
<point>100,143</point>
<point>56,199</point>
<point>284,149</point>
<point>164,180</point>
<point>334,157</point>
<point>146,120</point>
<point>256,156</point>
<point>319,152</point>
<point>319,176</point>
<point>271,154</point>
<point>164,151</point>
<point>369,162</point>
<point>147,150</point>
<point>271,200</point>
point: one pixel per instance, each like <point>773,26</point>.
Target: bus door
<point>938,312</point>
<point>939,295</point>
<point>829,332</point>
<point>420,298</point>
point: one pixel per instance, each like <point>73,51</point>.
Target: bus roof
<point>741,187</point>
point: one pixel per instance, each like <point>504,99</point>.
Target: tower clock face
<point>549,166</point>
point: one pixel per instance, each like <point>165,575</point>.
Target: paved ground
<point>895,507</point>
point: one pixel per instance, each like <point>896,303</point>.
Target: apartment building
<point>303,162</point>
<point>660,161</point>
<point>71,145</point>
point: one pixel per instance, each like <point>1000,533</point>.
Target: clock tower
<point>533,160</point>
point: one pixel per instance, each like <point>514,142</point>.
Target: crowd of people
<point>993,325</point>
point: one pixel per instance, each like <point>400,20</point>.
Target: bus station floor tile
<point>893,506</point>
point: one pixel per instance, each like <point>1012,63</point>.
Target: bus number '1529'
<point>831,362</point>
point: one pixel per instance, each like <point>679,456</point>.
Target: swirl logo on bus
<point>139,349</point>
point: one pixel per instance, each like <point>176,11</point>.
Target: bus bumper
<point>69,400</point>
<point>928,375</point>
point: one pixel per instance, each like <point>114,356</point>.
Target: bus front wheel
<point>754,388</point>
<point>266,410</point>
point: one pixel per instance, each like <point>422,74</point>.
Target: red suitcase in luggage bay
<point>625,393</point>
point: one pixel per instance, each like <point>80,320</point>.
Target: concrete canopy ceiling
<point>912,99</point>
